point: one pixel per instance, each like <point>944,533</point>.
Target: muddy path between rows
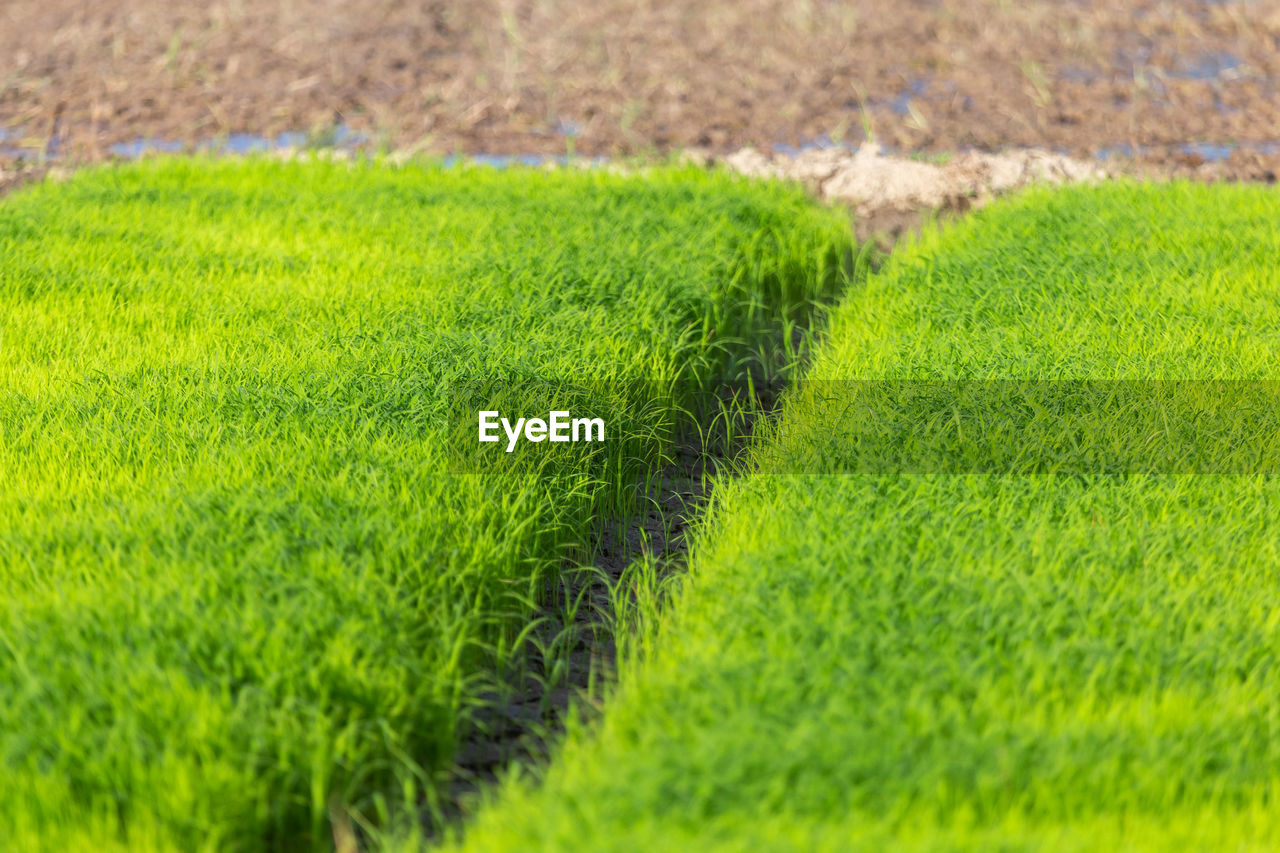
<point>570,658</point>
<point>570,662</point>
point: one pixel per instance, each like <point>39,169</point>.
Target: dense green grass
<point>970,658</point>
<point>248,576</point>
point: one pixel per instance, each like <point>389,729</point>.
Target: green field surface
<point>247,584</point>
<point>973,657</point>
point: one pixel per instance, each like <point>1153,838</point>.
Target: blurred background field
<point>1183,87</point>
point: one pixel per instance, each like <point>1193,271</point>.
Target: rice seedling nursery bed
<point>1001,571</point>
<point>251,581</point>
<point>1051,623</point>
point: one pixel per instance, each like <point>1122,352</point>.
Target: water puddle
<point>1120,149</point>
<point>135,149</point>
<point>1215,65</point>
<point>14,144</point>
<point>1210,152</point>
<point>1078,74</point>
<point>339,137</point>
<point>13,149</point>
<point>901,104</point>
<point>818,143</point>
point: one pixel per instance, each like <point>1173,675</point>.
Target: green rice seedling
<point>258,569</point>
<point>1000,576</point>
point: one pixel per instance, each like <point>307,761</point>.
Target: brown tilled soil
<point>1142,79</point>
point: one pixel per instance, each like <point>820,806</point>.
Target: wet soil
<point>1173,85</point>
<point>518,725</point>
